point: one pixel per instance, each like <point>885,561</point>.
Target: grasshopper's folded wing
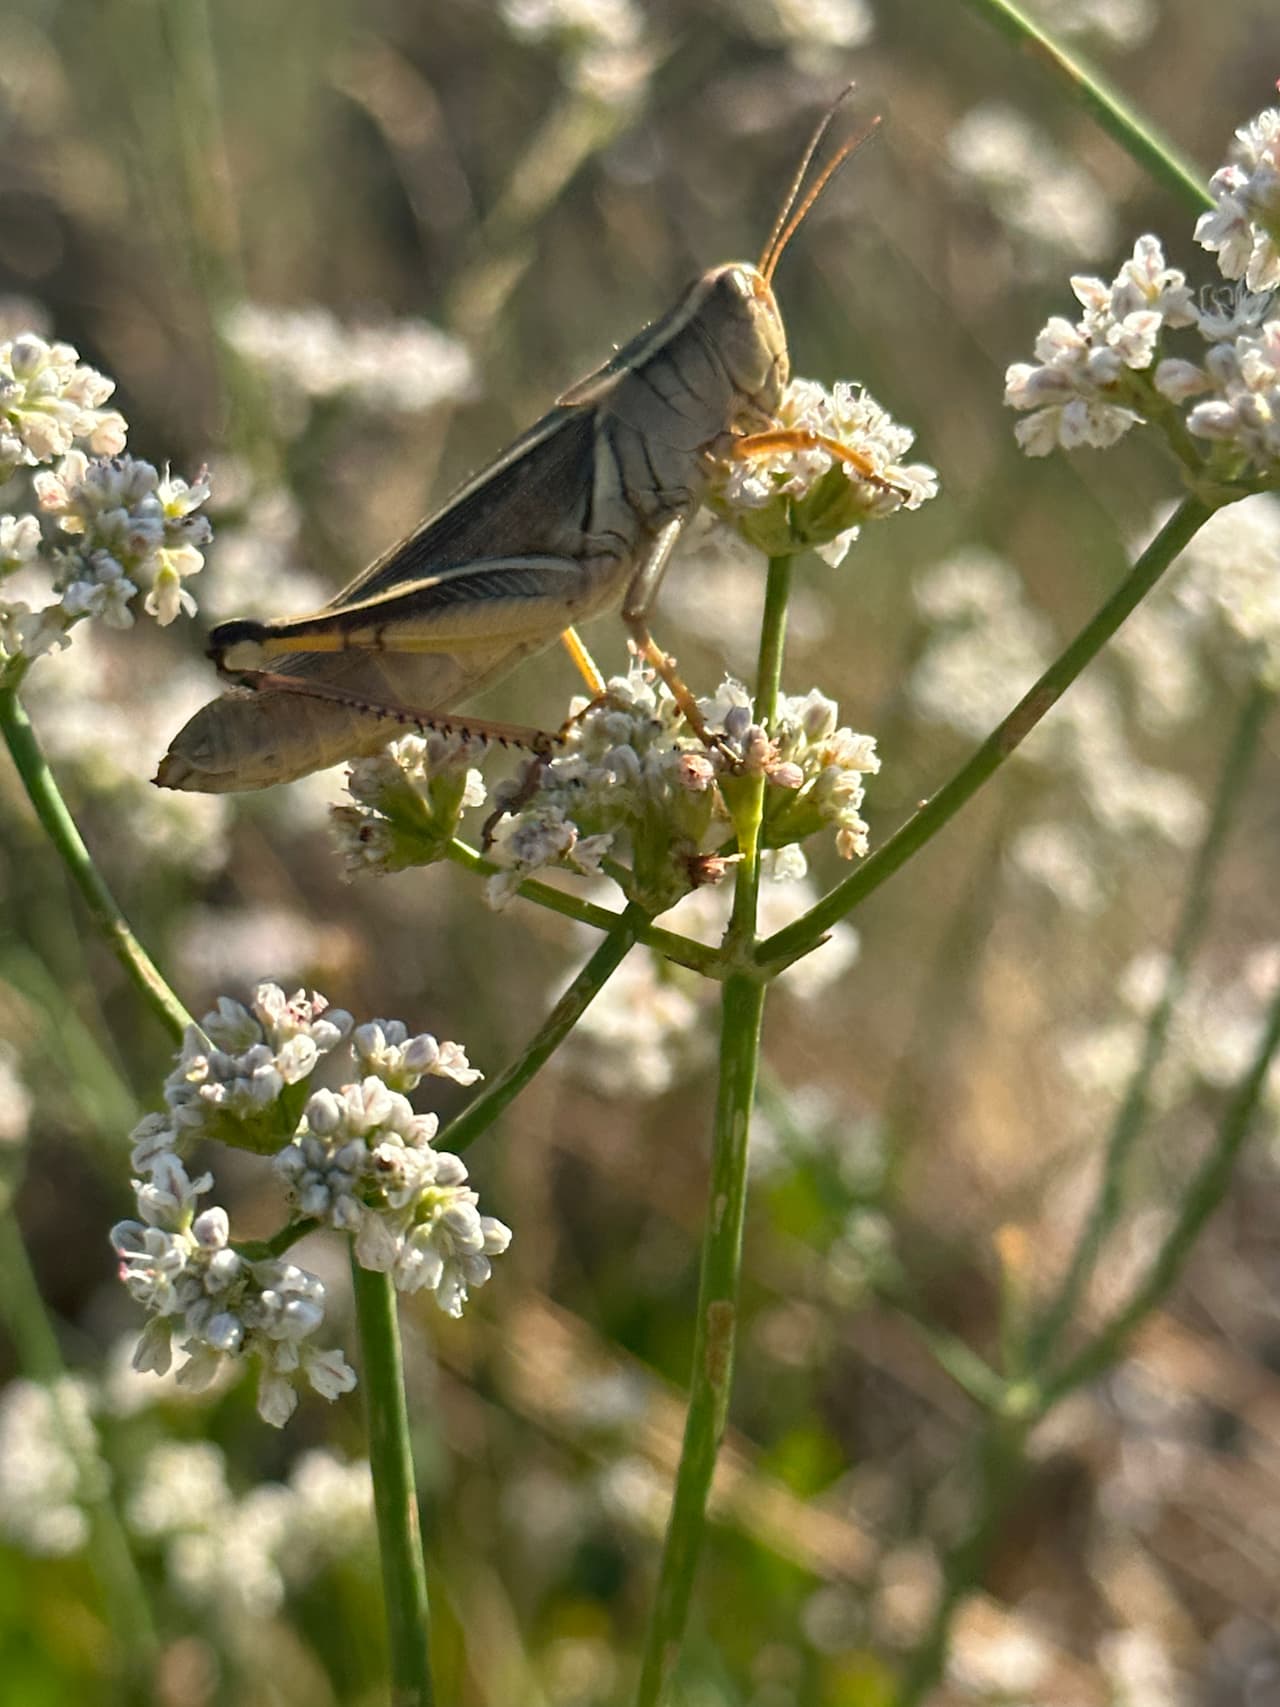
<point>496,574</point>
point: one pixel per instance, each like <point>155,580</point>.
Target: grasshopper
<point>581,513</point>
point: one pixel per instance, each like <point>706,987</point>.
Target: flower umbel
<point>121,526</point>
<point>1113,369</point>
<point>363,1162</point>
<point>215,1303</point>
<point>407,801</point>
<point>235,1071</point>
<point>358,1159</point>
<point>50,401</point>
<point>786,499</point>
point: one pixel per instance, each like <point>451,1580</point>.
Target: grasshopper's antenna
<point>791,217</point>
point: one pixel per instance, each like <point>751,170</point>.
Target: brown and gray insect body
<point>581,513</point>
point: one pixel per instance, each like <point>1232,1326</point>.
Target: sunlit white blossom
<point>51,401</point>
<point>1077,391</point>
<point>215,1304</point>
<point>237,1065</point>
<point>19,542</point>
<point>788,497</point>
<point>1244,229</point>
<point>124,526</point>
<point>363,1161</point>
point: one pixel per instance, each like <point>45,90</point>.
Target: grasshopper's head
<point>741,313</point>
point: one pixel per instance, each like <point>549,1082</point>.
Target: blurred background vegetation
<point>245,213</point>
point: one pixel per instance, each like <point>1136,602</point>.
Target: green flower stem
<point>807,931</point>
<point>1140,142</point>
<point>742,1009</point>
<point>1203,1195</point>
<point>697,956</point>
<point>110,1556</point>
<point>395,1501</point>
<point>484,1109</point>
<point>51,809</point>
<point>1133,1110</point>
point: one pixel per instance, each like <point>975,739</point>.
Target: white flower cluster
<point>787,498</point>
<point>363,1162</point>
<point>407,366</point>
<point>121,525</point>
<point>358,1159</point>
<point>605,48</point>
<point>631,783</point>
<point>50,401</point>
<point>1079,389</point>
<point>831,762</point>
<point>240,1556</point>
<point>635,785</point>
<point>1094,379</point>
<point>234,1069</point>
<point>124,527</point>
<point>217,1304</point>
<point>407,800</point>
<point>1239,387</point>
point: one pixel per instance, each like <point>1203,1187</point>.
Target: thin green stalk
<point>110,1556</point>
<point>807,931</point>
<point>51,809</point>
<point>682,950</point>
<point>999,1473</point>
<point>1133,1110</point>
<point>1203,1195</point>
<point>395,1501</point>
<point>711,1378</point>
<point>481,1113</point>
<point>1153,152</point>
<point>710,1383</point>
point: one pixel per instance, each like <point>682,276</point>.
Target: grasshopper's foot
<point>524,792</point>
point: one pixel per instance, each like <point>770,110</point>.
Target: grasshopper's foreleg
<point>804,438</point>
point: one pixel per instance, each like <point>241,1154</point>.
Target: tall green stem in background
<point>60,826</point>
<point>710,1384</point>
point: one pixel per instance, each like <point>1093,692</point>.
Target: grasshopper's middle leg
<point>635,613</point>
